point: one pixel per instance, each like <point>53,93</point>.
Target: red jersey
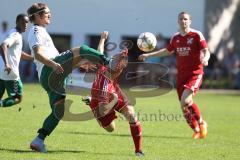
<point>102,90</point>
<point>188,51</point>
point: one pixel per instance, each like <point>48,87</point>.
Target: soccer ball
<point>146,41</point>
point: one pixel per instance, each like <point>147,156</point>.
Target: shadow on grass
<point>58,152</point>
<point>15,150</point>
<point>30,151</point>
<point>125,135</point>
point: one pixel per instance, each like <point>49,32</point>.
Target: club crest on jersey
<point>189,41</point>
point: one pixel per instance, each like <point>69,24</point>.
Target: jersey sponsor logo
<point>183,51</point>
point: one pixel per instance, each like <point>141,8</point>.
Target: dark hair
<point>20,16</point>
<point>190,17</point>
<point>36,8</point>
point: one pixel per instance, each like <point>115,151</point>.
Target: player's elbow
<point>4,46</point>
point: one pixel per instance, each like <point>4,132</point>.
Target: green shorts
<point>13,87</point>
<point>55,82</point>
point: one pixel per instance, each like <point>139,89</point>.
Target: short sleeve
<point>202,41</point>
<point>11,39</point>
<point>35,38</point>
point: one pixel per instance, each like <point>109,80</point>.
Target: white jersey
<point>38,36</point>
<point>14,42</point>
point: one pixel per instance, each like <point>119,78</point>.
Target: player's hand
<point>58,68</point>
<point>142,57</point>
<point>91,67</point>
<point>87,65</point>
<point>204,62</point>
<point>115,97</point>
<point>204,57</point>
<point>104,35</point>
<point>7,69</point>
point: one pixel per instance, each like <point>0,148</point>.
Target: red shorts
<point>105,120</point>
<point>191,82</point>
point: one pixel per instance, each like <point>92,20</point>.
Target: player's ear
<point>40,16</point>
<point>178,21</point>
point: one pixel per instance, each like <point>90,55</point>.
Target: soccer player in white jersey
<point>11,52</point>
<point>50,64</point>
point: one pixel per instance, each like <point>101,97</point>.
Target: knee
<point>130,115</point>
<point>58,109</point>
<point>186,102</point>
<point>18,99</point>
<point>110,127</point>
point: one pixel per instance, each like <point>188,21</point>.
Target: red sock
<point>196,111</point>
<point>192,122</point>
<point>136,131</point>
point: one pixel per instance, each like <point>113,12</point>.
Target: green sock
<point>49,124</point>
<point>93,55</point>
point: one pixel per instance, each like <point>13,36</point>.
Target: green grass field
<point>165,133</point>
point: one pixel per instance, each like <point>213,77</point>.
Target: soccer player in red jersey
<point>107,97</point>
<point>192,55</point>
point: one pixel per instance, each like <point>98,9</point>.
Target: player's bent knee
<point>17,99</point>
<point>186,102</point>
<point>132,118</point>
<point>110,127</point>
<point>129,114</point>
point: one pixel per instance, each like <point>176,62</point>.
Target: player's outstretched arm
<point>161,53</point>
<point>104,109</point>
<point>39,56</point>
<point>26,56</point>
<point>104,36</point>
